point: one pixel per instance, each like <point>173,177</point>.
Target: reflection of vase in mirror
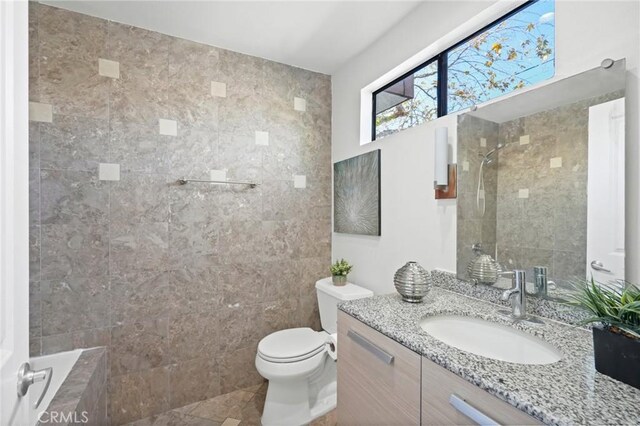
<point>523,185</point>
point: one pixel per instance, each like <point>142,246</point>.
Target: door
<point>14,209</point>
<point>605,192</point>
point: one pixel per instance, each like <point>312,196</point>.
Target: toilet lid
<point>293,343</point>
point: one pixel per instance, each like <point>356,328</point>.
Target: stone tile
<point>243,74</point>
<point>181,148</point>
<point>193,335</point>
<point>224,406</point>
<point>279,315</point>
<point>240,156</point>
<point>138,247</point>
<point>65,33</point>
<point>35,313</point>
<point>139,345</point>
<point>74,304</point>
<point>74,251</point>
<point>34,145</point>
<point>139,51</point>
<point>329,419</point>
<point>139,198</point>
<point>34,253</point>
<point>196,290</point>
<point>237,369</point>
<point>174,418</point>
<point>182,390</point>
<point>141,295</point>
<point>139,98</point>
<point>194,60</point>
<point>242,283</point>
<point>139,395</point>
<point>241,325</point>
<point>34,43</point>
<point>231,422</point>
<point>190,102</point>
<point>139,147</point>
<point>73,143</point>
<point>279,240</point>
<point>72,85</point>
<point>280,280</point>
<point>69,197</point>
<point>240,240</point>
<point>74,340</point>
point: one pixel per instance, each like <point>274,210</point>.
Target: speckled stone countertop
<point>535,306</point>
<point>568,392</point>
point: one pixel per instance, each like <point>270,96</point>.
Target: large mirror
<point>541,183</point>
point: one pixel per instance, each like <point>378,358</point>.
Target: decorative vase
<point>413,282</point>
<point>617,355</point>
<point>484,269</point>
<point>339,280</point>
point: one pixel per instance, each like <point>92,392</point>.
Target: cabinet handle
<point>369,346</point>
<point>470,411</point>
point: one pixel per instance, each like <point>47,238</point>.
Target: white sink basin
<point>490,340</point>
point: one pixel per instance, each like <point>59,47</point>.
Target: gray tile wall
<point>178,282</point>
<point>549,227</point>
<point>472,226</point>
<point>545,225</point>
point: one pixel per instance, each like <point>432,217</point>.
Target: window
<point>513,52</point>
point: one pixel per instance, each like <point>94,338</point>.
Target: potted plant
<point>616,336</point>
<point>339,272</point>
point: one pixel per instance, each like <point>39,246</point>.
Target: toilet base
<point>298,402</point>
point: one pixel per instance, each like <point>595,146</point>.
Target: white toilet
<point>296,361</point>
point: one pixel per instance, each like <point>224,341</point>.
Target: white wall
<point>414,225</point>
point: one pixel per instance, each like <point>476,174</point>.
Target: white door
<point>605,192</point>
<point>14,208</point>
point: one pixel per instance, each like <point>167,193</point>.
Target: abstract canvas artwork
<point>356,195</point>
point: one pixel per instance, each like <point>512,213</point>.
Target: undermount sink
<point>490,340</point>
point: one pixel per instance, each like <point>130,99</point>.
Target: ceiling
<point>316,35</point>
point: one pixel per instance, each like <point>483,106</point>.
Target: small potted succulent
<point>616,334</point>
<point>339,272</point>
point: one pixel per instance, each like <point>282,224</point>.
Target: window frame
<point>442,59</point>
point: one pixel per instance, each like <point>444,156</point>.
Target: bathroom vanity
<point>391,371</point>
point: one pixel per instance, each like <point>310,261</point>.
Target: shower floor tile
<point>242,407</point>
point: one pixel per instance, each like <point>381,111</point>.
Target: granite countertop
<point>567,392</point>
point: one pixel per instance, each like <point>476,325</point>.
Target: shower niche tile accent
<point>40,112</point>
<point>168,127</point>
<point>107,68</point>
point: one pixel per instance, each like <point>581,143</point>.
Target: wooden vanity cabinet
<point>381,382</point>
<point>378,378</point>
<point>446,396</point>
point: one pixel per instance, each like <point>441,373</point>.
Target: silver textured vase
<point>413,282</point>
<point>483,269</point>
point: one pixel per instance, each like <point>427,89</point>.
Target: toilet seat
<point>291,345</point>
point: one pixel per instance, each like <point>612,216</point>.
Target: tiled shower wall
<point>476,137</point>
<point>536,191</point>
<point>179,282</point>
<point>542,190</point>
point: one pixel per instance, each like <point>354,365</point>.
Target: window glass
<point>407,103</point>
<point>517,52</point>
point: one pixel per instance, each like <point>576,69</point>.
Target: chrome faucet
<point>516,293</point>
<point>541,282</point>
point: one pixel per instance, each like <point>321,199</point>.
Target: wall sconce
<point>444,181</point>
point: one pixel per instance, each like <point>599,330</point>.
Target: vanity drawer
<point>440,385</point>
<point>378,378</point>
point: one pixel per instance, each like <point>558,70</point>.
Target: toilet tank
<point>330,295</point>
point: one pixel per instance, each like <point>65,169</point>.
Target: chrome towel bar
<point>227,182</point>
